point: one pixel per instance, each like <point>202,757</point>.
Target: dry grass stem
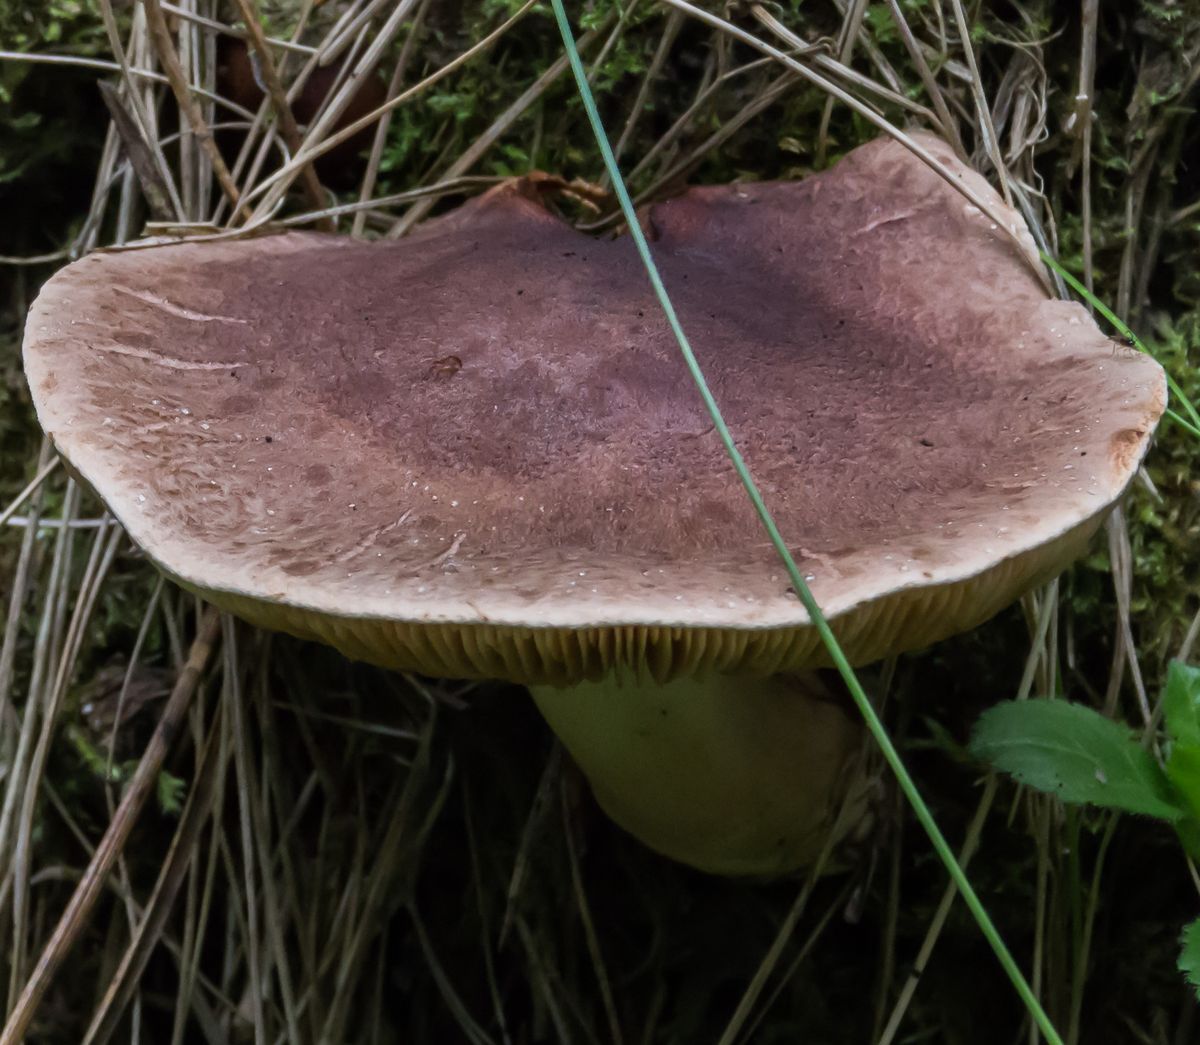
<point>344,855</point>
<point>141,785</point>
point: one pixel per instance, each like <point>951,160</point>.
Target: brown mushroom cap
<point>476,451</point>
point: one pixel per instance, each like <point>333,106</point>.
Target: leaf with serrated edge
<point>1077,754</point>
<point>1189,954</point>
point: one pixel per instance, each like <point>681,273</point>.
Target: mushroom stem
<point>732,775</point>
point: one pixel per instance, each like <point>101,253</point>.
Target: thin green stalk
<point>799,586</point>
<point>1186,425</point>
<point>1192,425</point>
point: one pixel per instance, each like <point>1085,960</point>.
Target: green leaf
<point>1181,708</point>
<point>171,793</point>
<point>1076,753</point>
<point>1183,770</point>
<point>1189,954</point>
<point>1181,702</point>
<point>1188,830</point>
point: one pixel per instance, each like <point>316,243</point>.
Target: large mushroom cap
<point>476,451</point>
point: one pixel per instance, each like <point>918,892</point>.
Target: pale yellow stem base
<point>732,775</point>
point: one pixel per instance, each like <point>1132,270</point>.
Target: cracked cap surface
<point>476,451</point>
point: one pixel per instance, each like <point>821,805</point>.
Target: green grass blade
<point>1192,425</point>
<point>920,809</point>
<point>1183,423</point>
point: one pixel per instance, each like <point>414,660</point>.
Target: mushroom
<point>476,453</point>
